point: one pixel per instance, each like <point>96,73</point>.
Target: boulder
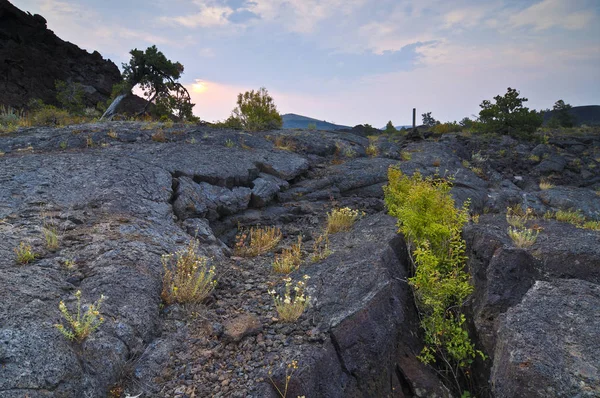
<point>548,345</point>
<point>241,326</point>
<point>204,200</point>
<point>265,188</point>
<point>553,164</point>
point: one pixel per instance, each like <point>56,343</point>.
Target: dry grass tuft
<point>545,184</point>
<point>290,259</point>
<point>372,150</point>
<point>187,277</point>
<point>24,253</point>
<point>284,143</point>
<point>159,136</point>
<point>321,248</point>
<point>257,241</point>
<point>571,216</point>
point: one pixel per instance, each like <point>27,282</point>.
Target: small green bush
<point>70,96</point>
<point>256,111</point>
<point>50,115</point>
<point>445,128</point>
<point>9,118</point>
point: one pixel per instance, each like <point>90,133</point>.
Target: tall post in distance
<point>414,118</point>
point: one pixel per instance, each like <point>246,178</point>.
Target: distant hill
<point>588,115</point>
<point>293,121</point>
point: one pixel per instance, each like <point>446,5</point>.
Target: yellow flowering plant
<point>80,325</point>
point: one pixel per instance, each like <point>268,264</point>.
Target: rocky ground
<point>122,194</point>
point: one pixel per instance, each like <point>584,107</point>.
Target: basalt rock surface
<point>119,200</point>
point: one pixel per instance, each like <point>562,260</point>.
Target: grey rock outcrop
<point>549,344</point>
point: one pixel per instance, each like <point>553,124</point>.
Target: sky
<point>352,61</point>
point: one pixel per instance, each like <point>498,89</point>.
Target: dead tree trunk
<point>112,109</point>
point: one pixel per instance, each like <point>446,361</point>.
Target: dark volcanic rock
<point>549,344</point>
<point>362,303</point>
<point>33,57</point>
<point>265,188</point>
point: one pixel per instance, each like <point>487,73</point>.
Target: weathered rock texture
<point>32,58</point>
<point>120,201</point>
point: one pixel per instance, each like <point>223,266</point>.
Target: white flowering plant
<point>294,301</point>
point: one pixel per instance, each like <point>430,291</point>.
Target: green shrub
<point>9,118</point>
<point>507,115</point>
<point>312,126</point>
<point>256,111</point>
<point>70,96</point>
<point>432,227</point>
<point>561,116</point>
<point>50,115</point>
<point>445,128</point>
<point>231,122</point>
<point>389,128</point>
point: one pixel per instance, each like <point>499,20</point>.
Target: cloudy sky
<point>352,61</point>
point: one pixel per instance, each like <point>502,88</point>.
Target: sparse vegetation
<point>445,128</point>
<point>593,225</point>
<point>289,372</point>
<point>570,216</point>
<point>341,220</point>
<point>229,143</point>
<point>290,259</point>
<point>312,126</point>
<point>507,115</point>
<point>372,150</point>
<point>70,95</point>
<point>389,128</point>
<point>256,111</point>
<point>284,143</point>
<point>321,248</point>
<point>291,305</point>
<point>561,116</point>
<point>51,237</point>
<point>187,277</point>
<point>405,156</point>
<point>523,237</point>
<point>24,253</point>
<point>159,136</point>
<point>428,120</point>
<point>257,241</point>
<point>517,217</point>
<point>432,227</point>
<point>545,184</point>
<point>80,324</point>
